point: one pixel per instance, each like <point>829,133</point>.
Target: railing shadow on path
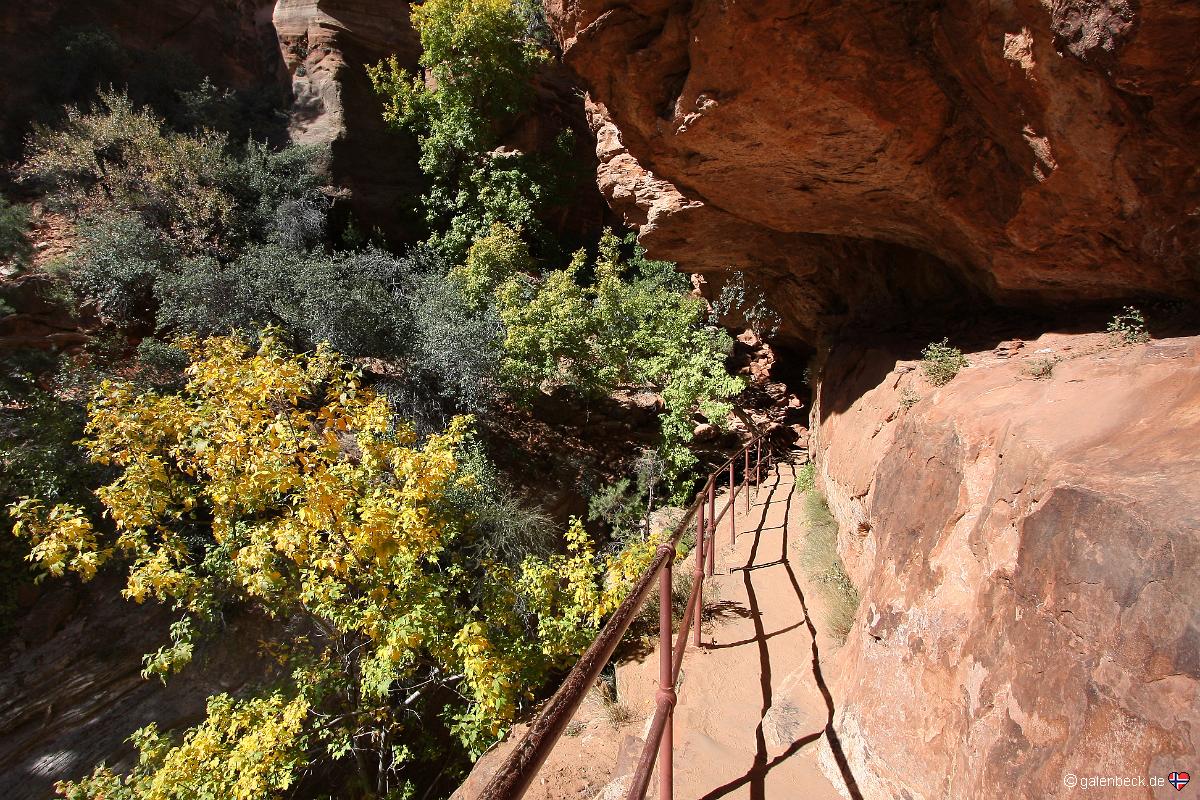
<point>761,766</point>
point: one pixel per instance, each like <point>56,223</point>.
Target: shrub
<point>618,330</point>
<point>491,260</point>
<point>202,196</point>
<point>14,223</point>
<point>1040,367</point>
<point>940,362</point>
<point>619,505</point>
<point>453,346</point>
<point>115,265</point>
<point>1128,327</point>
<point>341,299</point>
<point>506,528</point>
<point>909,398</point>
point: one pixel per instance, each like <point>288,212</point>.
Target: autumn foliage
<point>277,480</point>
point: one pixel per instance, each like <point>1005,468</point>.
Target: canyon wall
<point>307,57</point>
<point>866,157</point>
<point>1027,551</point>
<point>326,45</point>
<point>233,42</point>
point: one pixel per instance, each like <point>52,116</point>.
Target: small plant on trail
<point>1041,367</point>
<point>1128,327</point>
<point>908,398</point>
<point>940,362</point>
<point>618,714</point>
<point>806,478</point>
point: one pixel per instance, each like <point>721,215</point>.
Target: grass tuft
<point>823,566</point>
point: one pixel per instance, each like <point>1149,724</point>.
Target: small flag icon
<point>1178,780</point>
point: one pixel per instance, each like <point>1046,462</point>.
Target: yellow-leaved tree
<point>278,480</point>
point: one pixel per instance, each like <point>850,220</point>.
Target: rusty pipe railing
<point>516,774</point>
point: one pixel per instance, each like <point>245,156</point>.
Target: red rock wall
<point>862,156</point>
<point>326,45</point>
<point>1027,553</point>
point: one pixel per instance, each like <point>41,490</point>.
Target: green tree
<point>477,62</point>
<point>632,325</point>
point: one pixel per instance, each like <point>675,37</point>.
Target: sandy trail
<point>754,701</point>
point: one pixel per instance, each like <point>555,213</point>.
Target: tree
<point>477,62</point>
<point>279,480</point>
<point>633,325</point>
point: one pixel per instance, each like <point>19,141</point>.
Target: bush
<point>909,397</point>
<point>505,528</point>
<point>201,195</point>
<point>631,326</point>
<point>340,299</point>
<point>1128,327</point>
<point>940,362</point>
<point>115,265</point>
<point>14,223</point>
<point>454,345</point>
<point>1040,367</point>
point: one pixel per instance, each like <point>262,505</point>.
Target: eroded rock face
<point>1027,552</point>
<point>326,45</point>
<point>71,690</point>
<point>863,156</point>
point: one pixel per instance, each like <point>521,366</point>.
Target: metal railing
<point>517,772</point>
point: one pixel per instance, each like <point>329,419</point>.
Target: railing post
<point>666,681</point>
<point>757,463</point>
<point>712,524</point>
<point>732,508</point>
<point>698,568</point>
<point>746,479</point>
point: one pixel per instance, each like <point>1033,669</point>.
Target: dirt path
<point>754,701</point>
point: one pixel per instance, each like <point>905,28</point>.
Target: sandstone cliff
<point>1027,554</point>
<point>326,45</point>
<point>865,157</point>
<point>233,42</point>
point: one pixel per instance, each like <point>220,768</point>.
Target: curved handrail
<point>514,776</point>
